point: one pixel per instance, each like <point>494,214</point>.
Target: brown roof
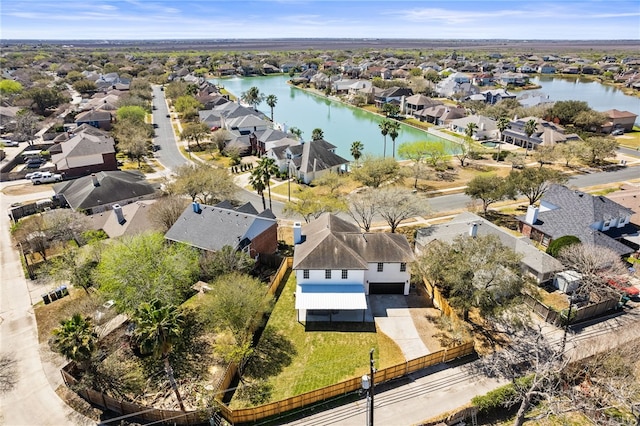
<point>333,243</point>
<point>614,113</point>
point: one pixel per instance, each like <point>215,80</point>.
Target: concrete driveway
<point>393,317</point>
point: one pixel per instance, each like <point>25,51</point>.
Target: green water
<point>341,124</point>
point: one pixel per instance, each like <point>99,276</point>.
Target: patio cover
<point>331,296</point>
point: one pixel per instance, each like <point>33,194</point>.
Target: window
<point>327,274</point>
<point>380,266</point>
<point>305,274</point>
<point>607,224</point>
<point>403,267</point>
<point>345,274</point>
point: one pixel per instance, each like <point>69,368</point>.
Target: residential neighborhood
<point>189,253</point>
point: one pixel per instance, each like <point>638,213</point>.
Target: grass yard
<point>630,139</point>
<point>321,358</point>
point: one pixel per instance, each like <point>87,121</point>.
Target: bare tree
<point>166,211</point>
<point>363,208</point>
<point>396,204</point>
<point>530,363</point>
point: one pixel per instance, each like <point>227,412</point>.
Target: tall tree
<point>374,171</point>
<point>76,340</point>
<point>356,150</point>
<point>26,125</point>
<point>158,328</point>
<point>202,182</point>
<point>470,130</point>
<point>311,205</point>
<point>145,267</point>
<point>258,185</point>
<point>317,134</point>
<point>253,97</point>
<point>533,183</point>
<point>45,98</point>
<point>416,152</point>
<point>363,208</point>
<point>384,129</point>
<point>570,150</point>
<point>394,130</point>
<point>473,272</point>
<point>566,111</point>
<point>503,123</point>
<point>396,204</point>
<point>131,112</point>
<point>271,100</point>
<point>195,132</point>
<point>489,188</point>
<point>166,211</point>
<point>529,129</point>
<point>545,155</point>
<point>132,139</point>
<point>265,169</point>
<point>597,149</point>
<point>296,132</point>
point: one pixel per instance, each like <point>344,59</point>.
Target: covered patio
<point>331,303</point>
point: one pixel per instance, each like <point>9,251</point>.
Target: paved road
<point>32,401</point>
<point>169,155</point>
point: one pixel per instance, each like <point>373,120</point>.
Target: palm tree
<point>257,184</point>
<point>502,124</point>
<point>253,97</point>
<point>384,129</point>
<point>356,150</point>
<point>76,340</point>
<point>271,100</point>
<point>296,132</point>
<point>530,129</point>
<point>470,130</point>
<point>394,130</point>
<point>317,134</point>
<point>158,328</point>
<point>264,170</point>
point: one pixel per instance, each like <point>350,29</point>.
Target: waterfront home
<point>417,102</point>
<point>619,120</point>
<point>440,115</point>
<point>546,133</point>
<point>485,126</point>
<point>337,266</point>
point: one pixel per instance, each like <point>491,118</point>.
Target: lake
<point>342,124</point>
<point>600,97</point>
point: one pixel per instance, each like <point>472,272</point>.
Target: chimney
<point>473,230</point>
<point>196,207</point>
<point>94,178</point>
<point>532,215</point>
<point>117,209</point>
<point>297,233</point>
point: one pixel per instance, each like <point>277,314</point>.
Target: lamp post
<point>566,325</point>
<point>289,178</point>
<point>368,385</point>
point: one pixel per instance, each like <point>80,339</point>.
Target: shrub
<point>557,245</point>
<point>503,397</point>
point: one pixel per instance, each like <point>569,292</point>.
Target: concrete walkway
<point>393,317</point>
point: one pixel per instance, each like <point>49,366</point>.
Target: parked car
<point>33,175</point>
<point>7,142</point>
<point>46,177</point>
<point>617,132</point>
<point>35,165</point>
<point>624,287</point>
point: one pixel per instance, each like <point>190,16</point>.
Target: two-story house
<point>337,266</point>
<point>594,220</point>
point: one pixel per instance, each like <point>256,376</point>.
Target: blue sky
<point>216,19</point>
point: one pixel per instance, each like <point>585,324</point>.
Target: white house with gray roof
<point>534,262</point>
<point>337,266</point>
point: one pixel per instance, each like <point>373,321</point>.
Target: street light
<point>289,177</point>
<point>367,386</point>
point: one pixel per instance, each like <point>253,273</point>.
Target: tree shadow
<point>502,219</point>
<point>271,355</point>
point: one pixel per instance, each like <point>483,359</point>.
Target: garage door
<point>386,288</point>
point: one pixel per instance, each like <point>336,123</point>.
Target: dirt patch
<point>422,314</point>
<point>25,188</point>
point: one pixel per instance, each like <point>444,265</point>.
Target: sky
<point>222,19</point>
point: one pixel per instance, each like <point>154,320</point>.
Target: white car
<point>7,142</point>
<point>33,175</point>
<point>46,177</point>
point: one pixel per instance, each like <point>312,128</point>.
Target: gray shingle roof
<point>113,187</point>
<point>215,227</point>
<point>316,154</point>
<point>533,258</point>
<point>575,214</point>
<point>333,243</point>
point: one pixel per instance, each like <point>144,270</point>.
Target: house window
<point>403,267</point>
<point>380,266</point>
<point>305,274</point>
<point>345,274</point>
<point>607,224</point>
<point>327,274</point>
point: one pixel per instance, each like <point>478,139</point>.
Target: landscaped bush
<point>557,245</point>
<point>499,399</point>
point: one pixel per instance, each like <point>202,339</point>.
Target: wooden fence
<point>253,414</point>
<point>577,313</point>
<point>439,301</point>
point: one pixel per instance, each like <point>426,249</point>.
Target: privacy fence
<point>247,415</point>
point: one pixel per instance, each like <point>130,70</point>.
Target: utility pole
<point>372,371</point>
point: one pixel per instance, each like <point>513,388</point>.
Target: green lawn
<point>630,139</point>
<point>320,358</point>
